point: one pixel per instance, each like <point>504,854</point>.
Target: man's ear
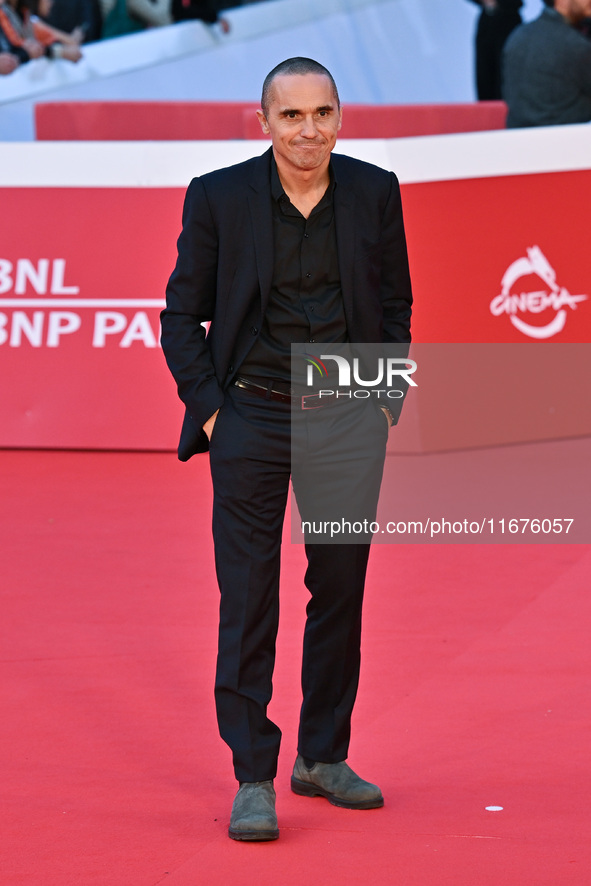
<point>263,121</point>
<point>340,118</point>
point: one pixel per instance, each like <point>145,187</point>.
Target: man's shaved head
<point>297,65</point>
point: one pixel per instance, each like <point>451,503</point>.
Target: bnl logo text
<point>388,370</point>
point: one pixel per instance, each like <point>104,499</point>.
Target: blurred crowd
<point>542,69</point>
<point>30,29</point>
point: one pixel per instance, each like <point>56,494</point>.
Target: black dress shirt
<point>305,303</point>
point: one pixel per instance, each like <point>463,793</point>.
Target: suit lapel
<point>344,215</point>
<point>259,201</point>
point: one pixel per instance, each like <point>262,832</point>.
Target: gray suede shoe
<point>337,782</point>
<point>253,812</point>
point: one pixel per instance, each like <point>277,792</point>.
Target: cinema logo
<point>551,300</point>
<point>350,383</point>
<point>39,308</point>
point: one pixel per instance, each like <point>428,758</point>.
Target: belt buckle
<point>305,397</point>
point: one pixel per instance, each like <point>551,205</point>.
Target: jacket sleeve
<point>190,302</point>
<point>395,287</point>
<point>395,291</point>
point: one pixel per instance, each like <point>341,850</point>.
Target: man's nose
<point>308,129</point>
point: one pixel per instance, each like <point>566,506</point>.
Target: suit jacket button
<point>254,330</point>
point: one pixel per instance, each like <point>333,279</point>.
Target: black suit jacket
<point>224,269</point>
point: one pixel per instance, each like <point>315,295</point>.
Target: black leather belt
<point>264,391</point>
<point>302,401</point>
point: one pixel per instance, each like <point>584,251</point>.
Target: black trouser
<point>251,464</point>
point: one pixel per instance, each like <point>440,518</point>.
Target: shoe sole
<point>253,836</point>
<point>305,789</point>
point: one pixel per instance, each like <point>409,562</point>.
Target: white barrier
<point>173,164</point>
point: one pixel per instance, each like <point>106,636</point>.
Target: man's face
<point>574,10</point>
<point>303,119</point>
<point>582,9</point>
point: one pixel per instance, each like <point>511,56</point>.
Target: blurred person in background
<point>82,16</point>
<point>205,10</point>
<point>547,68</point>
<point>497,20</point>
<point>117,19</point>
<point>23,25</point>
<point>156,13</point>
<point>10,56</point>
<point>150,13</point>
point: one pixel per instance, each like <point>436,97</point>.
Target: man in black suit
<point>293,247</point>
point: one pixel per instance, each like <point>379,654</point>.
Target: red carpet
<point>475,693</point>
